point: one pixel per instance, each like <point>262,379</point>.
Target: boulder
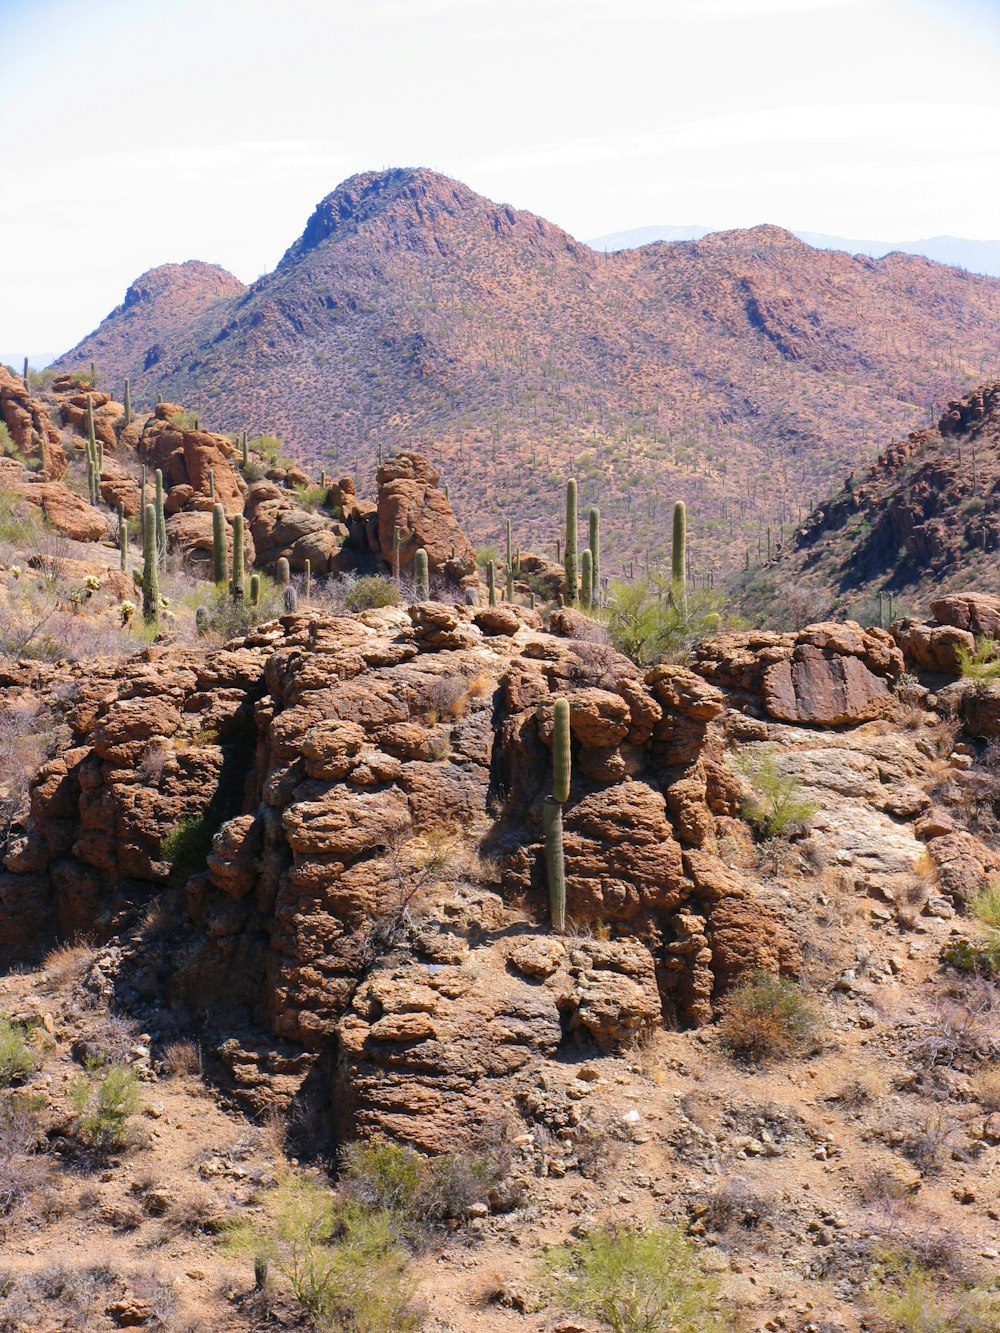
<point>823,689</point>
<point>409,498</point>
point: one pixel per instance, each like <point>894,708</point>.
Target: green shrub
<point>776,809</point>
<point>183,420</point>
<point>909,1296</point>
<point>344,1265</point>
<point>16,1059</point>
<point>982,663</point>
<point>980,960</point>
<point>372,591</point>
<point>645,623</point>
<point>636,1282</point>
<point>417,1191</point>
<point>311,497</point>
<point>484,554</point>
<point>104,1098</point>
<point>985,906</point>
<point>767,1017</point>
<point>186,847</point>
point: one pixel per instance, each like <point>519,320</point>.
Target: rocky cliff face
<point>322,845</point>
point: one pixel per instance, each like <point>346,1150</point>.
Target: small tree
<point>777,806</point>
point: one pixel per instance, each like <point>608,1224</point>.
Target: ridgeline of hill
<point>746,373</point>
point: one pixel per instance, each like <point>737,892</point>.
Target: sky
<point>136,133</point>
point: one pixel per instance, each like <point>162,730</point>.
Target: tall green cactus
<point>510,565</point>
<point>586,578</point>
<point>219,544</point>
<point>555,862</point>
<point>92,484</point>
<point>122,539</point>
<point>43,451</point>
<point>570,560</point>
<point>595,556</point>
<point>245,450</point>
<point>421,577</point>
<point>283,572</point>
<point>237,586</point>
<point>27,381</point>
<point>678,558</point>
<point>160,518</point>
<point>255,590</point>
<point>150,575</point>
<point>491,581</point>
<point>561,754</point>
<point>128,404</point>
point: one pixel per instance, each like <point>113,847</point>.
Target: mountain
<point>922,521</point>
<point>975,256</point>
<point>741,372</point>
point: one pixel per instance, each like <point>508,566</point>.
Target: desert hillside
<point>921,521</point>
<point>745,373</point>
<point>391,944</point>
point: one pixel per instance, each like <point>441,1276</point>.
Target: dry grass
<point>986,1085</point>
<point>66,964</point>
<point>767,1017</point>
<point>182,1057</point>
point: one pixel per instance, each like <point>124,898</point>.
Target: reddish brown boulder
<point>29,425</point>
<point>977,612</point>
<point>823,689</point>
<point>933,648</point>
<point>409,498</point>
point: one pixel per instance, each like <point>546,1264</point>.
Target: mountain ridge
<point>413,311</point>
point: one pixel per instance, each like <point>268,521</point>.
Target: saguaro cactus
<point>290,599</point>
<point>160,518</point>
<point>678,558</point>
<point>555,860</point>
<point>237,586</point>
<point>283,572</point>
<point>586,578</point>
<point>27,383</point>
<point>421,577</point>
<point>570,561</point>
<point>122,539</point>
<point>218,544</point>
<point>127,420</point>
<point>245,450</point>
<point>202,619</point>
<point>510,565</point>
<point>255,590</point>
<point>150,577</point>
<point>491,581</point>
<point>595,556</point>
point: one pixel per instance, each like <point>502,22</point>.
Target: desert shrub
<point>16,1059</point>
<point>311,497</point>
<point>972,959</point>
<point>372,591</point>
<point>105,1098</point>
<point>484,554</point>
<point>183,420</point>
<point>446,696</point>
<point>233,618</point>
<point>182,1057</point>
<point>646,625</point>
<point>636,1281</point>
<point>22,1169</point>
<point>67,963</point>
<point>186,847</point>
<point>418,1191</point>
<point>344,1265</point>
<point>985,906</point>
<point>913,1301</point>
<point>767,1017</point>
<point>736,1205</point>
<point>777,806</point>
<point>981,663</point>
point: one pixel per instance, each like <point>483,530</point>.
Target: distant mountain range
<point>975,256</point>
<point>745,372</point>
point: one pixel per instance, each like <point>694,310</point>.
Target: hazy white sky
<point>141,131</point>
